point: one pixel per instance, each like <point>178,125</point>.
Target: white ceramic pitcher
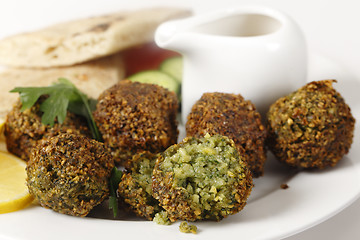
<point>255,51</point>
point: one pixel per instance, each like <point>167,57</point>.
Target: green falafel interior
<point>62,96</point>
<point>135,188</point>
<point>202,178</point>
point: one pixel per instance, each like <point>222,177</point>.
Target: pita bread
<point>91,78</point>
<point>82,40</point>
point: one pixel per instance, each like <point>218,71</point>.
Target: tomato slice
<point>145,57</point>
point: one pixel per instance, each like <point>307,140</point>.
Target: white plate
<point>271,212</point>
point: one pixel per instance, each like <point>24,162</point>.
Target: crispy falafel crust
<point>69,173</point>
<point>232,116</point>
<point>134,117</point>
<point>135,187</point>
<point>24,129</point>
<point>208,180</point>
<point>312,127</point>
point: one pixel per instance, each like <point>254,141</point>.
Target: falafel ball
<point>312,127</point>
<point>69,173</point>
<point>232,116</point>
<point>201,179</point>
<point>135,187</point>
<point>24,128</point>
<point>134,117</point>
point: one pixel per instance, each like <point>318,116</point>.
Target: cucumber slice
<point>174,67</point>
<point>157,77</point>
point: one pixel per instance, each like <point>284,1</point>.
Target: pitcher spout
<point>172,35</point>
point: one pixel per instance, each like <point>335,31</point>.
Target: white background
<point>332,29</point>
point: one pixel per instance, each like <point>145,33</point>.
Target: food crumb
<point>187,228</point>
<point>162,218</point>
<point>284,186</point>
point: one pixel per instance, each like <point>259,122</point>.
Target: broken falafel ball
<point>201,179</point>
<point>232,116</point>
<point>134,117</point>
<point>312,127</point>
<point>135,187</point>
<point>69,173</point>
<point>24,128</point>
<point>187,228</point>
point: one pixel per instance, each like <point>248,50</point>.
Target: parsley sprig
<point>62,96</point>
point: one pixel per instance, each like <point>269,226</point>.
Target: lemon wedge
<point>2,137</point>
<point>14,194</point>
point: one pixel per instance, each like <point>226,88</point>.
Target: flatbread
<point>78,41</point>
<point>91,78</point>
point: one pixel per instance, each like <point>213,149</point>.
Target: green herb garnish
<point>114,183</point>
<point>62,96</point>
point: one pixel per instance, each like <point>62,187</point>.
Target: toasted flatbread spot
<point>100,27</point>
